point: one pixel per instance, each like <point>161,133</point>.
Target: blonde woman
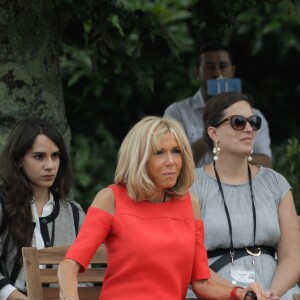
<point>150,224</point>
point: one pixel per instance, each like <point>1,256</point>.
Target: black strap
<point>15,272</point>
<point>225,205</point>
<point>75,211</point>
<point>231,251</point>
<point>75,216</point>
<point>44,221</point>
<point>4,282</point>
<point>238,253</point>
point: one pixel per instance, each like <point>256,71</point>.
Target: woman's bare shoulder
<point>105,200</point>
<point>195,205</point>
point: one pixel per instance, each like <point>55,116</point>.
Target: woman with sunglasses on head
<point>251,228</point>
<point>36,209</point>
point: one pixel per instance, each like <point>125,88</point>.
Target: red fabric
<point>93,232</point>
<point>200,268</point>
<point>150,248</point>
<point>233,295</point>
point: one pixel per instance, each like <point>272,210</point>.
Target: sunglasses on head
<point>238,122</point>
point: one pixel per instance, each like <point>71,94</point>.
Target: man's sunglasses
<point>238,122</point>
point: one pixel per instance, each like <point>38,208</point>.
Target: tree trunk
<point>30,80</point>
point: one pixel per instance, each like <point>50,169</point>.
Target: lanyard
<point>228,216</point>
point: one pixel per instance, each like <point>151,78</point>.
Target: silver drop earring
<point>249,158</point>
<point>216,151</point>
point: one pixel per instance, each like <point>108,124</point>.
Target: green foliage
<point>293,155</point>
<point>169,13</point>
<point>286,160</point>
<point>93,164</point>
<point>267,19</point>
<point>75,65</point>
<point>130,58</point>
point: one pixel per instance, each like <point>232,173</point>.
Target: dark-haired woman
<point>251,227</point>
<point>35,207</point>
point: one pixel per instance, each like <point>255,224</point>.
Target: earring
<point>216,151</point>
<point>249,158</point>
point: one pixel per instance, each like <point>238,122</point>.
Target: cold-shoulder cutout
<point>105,200</point>
<point>195,205</point>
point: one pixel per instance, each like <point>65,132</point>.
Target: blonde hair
<point>139,144</point>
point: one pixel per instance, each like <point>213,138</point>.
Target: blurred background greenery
<point>122,60</point>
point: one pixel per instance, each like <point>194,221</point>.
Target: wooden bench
<point>42,284</point>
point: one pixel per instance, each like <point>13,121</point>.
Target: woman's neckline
<point>211,175</point>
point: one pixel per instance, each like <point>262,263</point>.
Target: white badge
<point>242,277</point>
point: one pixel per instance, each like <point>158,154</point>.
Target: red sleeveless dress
<point>154,250</point>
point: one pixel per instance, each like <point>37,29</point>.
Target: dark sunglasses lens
<point>255,122</point>
<point>238,122</point>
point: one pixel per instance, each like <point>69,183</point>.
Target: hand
<point>257,291</point>
<point>271,295</point>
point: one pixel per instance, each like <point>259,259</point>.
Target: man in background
<point>214,61</point>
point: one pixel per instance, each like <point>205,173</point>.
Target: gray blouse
<point>269,188</point>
